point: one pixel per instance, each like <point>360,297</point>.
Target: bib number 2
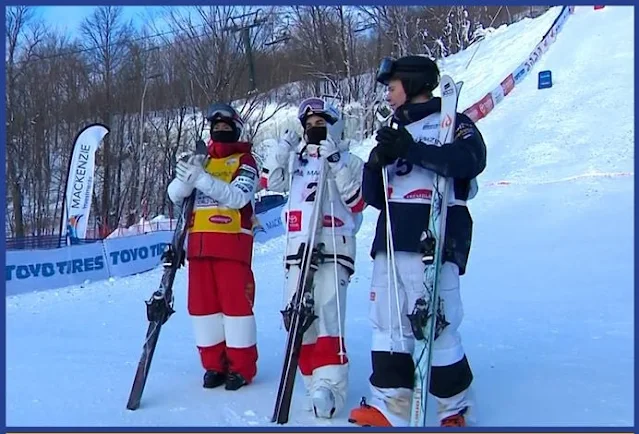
<point>311,190</point>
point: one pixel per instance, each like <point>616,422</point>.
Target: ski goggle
<point>385,70</point>
<point>224,113</point>
<point>316,106</point>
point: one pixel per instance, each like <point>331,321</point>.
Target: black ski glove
<point>394,142</point>
<point>377,159</point>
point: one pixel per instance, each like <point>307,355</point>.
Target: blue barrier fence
<point>51,264</point>
<point>38,242</point>
<point>42,242</point>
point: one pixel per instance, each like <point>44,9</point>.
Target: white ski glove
<point>189,172</point>
<point>178,191</point>
<point>291,138</point>
<point>278,151</point>
<point>330,150</point>
<point>191,157</point>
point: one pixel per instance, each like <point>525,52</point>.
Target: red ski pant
<point>221,294</point>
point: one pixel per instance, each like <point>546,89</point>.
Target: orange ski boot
<point>456,420</point>
<point>366,415</point>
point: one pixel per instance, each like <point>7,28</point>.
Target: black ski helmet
<point>418,74</point>
<point>227,114</point>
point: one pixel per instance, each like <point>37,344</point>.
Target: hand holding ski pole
<point>394,142</point>
<point>330,152</point>
<point>378,158</point>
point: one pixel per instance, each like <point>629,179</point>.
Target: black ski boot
<point>235,381</point>
<point>213,379</point>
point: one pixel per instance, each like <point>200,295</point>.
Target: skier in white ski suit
<point>294,166</point>
<point>410,158</point>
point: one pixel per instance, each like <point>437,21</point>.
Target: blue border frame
<point>309,2</point>
<point>312,430</point>
<point>287,429</point>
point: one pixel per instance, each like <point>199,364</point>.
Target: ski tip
<point>448,79</point>
<point>446,85</point>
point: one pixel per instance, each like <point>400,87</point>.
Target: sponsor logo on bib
<point>220,219</point>
<point>328,222</point>
<point>421,193</point>
<point>294,220</point>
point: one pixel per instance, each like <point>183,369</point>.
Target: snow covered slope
<point>548,294</point>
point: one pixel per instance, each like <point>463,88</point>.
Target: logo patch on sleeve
<point>464,131</point>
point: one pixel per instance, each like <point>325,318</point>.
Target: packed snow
<point>548,295</point>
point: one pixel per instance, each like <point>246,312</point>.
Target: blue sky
<point>67,19</point>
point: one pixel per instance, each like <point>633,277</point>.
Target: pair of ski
<point>159,307</point>
<point>299,313</point>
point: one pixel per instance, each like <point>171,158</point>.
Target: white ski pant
<point>393,336</point>
<point>321,362</point>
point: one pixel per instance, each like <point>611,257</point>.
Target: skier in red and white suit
<point>221,287</point>
<point>294,166</point>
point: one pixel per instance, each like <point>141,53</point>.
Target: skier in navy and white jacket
<point>411,154</point>
<point>293,165</point>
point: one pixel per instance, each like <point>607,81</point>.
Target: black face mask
<point>223,136</point>
<point>315,135</point>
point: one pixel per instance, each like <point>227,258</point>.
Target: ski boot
<point>366,415</point>
<point>234,381</point>
<point>213,379</point>
<point>456,420</point>
<point>323,403</point>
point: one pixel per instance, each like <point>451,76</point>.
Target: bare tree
<point>106,33</point>
<point>23,34</point>
<point>152,88</point>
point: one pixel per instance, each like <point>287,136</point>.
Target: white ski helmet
<point>322,108</point>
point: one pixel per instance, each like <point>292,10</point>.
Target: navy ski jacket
<point>463,160</point>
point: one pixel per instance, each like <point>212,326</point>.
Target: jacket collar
<point>223,150</point>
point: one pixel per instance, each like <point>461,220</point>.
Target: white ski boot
<point>323,402</point>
